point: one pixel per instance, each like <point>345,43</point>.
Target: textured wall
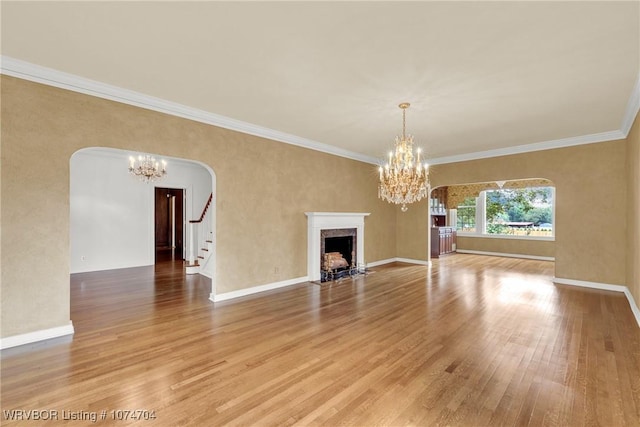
<point>263,189</point>
<point>633,210</point>
<point>591,211</point>
<point>412,231</point>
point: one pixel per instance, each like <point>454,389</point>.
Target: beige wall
<point>412,230</point>
<point>260,213</point>
<point>633,210</point>
<point>591,211</point>
<point>263,189</point>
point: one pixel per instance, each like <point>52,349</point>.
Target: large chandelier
<point>147,168</point>
<point>403,179</point>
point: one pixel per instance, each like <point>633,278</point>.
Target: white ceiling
<point>480,76</point>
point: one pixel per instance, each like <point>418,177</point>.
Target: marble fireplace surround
<point>317,221</point>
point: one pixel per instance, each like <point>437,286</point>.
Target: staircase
<point>201,249</point>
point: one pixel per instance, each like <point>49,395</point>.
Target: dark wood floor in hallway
<point>469,341</point>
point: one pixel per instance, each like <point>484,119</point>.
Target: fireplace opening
<point>343,245</point>
<point>337,252</point>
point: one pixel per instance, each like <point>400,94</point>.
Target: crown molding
<point>633,106</point>
<point>527,148</point>
<point>48,76</point>
<point>28,71</point>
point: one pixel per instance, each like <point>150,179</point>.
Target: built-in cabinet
<point>438,207</point>
<point>443,230</point>
<point>438,219</point>
<point>443,241</point>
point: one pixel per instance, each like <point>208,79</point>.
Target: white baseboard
<point>381,262</point>
<point>31,337</point>
<point>413,261</point>
<point>539,258</point>
<point>606,287</point>
<point>256,289</point>
<point>270,286</point>
<point>390,260</point>
<point>632,303</point>
<point>593,285</point>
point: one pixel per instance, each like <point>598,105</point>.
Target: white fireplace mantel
<point>318,221</point>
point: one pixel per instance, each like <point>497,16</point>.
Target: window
<point>467,215</point>
<point>509,212</point>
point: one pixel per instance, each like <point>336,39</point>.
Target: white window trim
<point>481,213</point>
<point>481,222</point>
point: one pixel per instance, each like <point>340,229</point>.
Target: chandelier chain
<point>404,122</point>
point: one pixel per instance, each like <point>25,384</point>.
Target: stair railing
<point>199,231</point>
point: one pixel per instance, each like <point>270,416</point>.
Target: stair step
<point>192,269</point>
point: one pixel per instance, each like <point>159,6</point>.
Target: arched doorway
<point>112,213</point>
<point>514,218</point>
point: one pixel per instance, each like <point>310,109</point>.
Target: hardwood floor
<point>471,341</point>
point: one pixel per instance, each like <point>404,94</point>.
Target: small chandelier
<point>403,179</point>
<point>147,168</point>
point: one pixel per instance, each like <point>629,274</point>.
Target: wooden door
<point>169,221</point>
